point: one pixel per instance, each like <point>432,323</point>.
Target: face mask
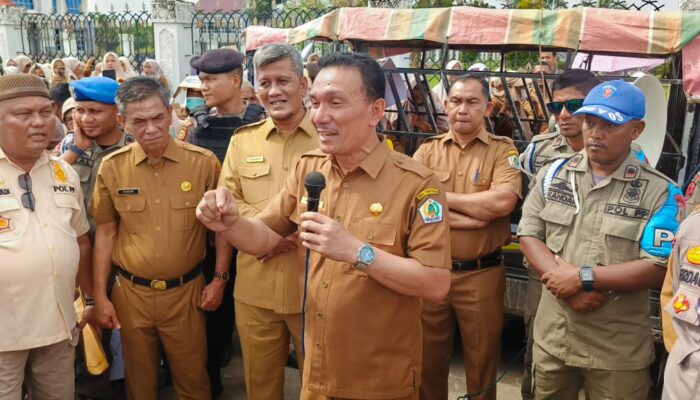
<point>11,70</point>
<point>193,102</point>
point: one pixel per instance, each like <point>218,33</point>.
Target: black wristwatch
<point>222,275</point>
<point>585,273</point>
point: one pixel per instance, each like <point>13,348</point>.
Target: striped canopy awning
<point>592,30</point>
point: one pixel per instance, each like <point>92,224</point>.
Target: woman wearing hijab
<point>58,72</point>
<point>42,71</point>
<point>126,67</point>
<point>440,90</point>
<point>73,68</point>
<point>23,63</point>
<point>151,67</point>
<point>110,62</point>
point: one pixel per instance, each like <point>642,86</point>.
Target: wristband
<point>89,301</point>
<point>77,150</point>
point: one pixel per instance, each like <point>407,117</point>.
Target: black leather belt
<point>490,260</point>
<point>161,284</point>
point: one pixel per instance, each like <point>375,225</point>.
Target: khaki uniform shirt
<point>631,215</point>
<point>682,310</point>
<point>485,161</point>
<point>39,253</point>
<point>257,163</point>
<point>159,236</point>
<point>363,340</point>
<point>543,148</point>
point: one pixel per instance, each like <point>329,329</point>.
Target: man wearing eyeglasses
<point>598,227</point>
<point>568,92</point>
<point>44,247</point>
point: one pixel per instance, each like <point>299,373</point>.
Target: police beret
<point>217,61</point>
<point>99,89</point>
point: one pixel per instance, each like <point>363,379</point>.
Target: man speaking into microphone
<point>379,241</point>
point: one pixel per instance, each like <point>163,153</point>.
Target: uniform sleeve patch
<point>427,192</point>
<point>660,231</point>
<point>430,211</point>
<point>514,161</point>
<point>693,255</point>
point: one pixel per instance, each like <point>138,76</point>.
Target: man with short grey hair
<point>143,205</point>
<point>258,160</point>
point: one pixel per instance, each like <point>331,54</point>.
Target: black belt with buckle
<point>490,260</point>
<point>161,284</point>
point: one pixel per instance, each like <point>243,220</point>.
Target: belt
<point>490,260</point>
<point>161,284</point>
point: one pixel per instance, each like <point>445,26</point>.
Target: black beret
<point>217,61</point>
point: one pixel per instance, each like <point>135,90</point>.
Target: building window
<point>29,4</point>
<point>73,6</point>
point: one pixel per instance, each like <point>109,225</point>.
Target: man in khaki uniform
<point>363,333</point>
<point>44,247</point>
<point>598,227</point>
<point>479,172</point>
<point>261,156</point>
<point>568,92</point>
<point>143,205</point>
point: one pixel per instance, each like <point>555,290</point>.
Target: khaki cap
<point>22,85</point>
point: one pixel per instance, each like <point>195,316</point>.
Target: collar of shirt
<point>483,135</point>
<point>374,161</point>
<point>305,126</point>
<point>172,152</point>
<point>560,141</point>
<point>43,158</point>
<point>628,170</point>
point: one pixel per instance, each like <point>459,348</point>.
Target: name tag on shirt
<point>63,189</point>
<point>254,159</point>
<point>128,191</point>
<point>5,192</point>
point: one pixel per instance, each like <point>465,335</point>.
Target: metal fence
<point>49,36</point>
<point>214,30</point>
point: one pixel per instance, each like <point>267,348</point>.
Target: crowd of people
<point>181,220</point>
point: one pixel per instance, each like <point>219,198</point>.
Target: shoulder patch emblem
<point>575,160</point>
<point>427,192</point>
<point>630,172</point>
<point>693,255</point>
<point>514,161</point>
<point>430,211</point>
<point>5,224</point>
<point>58,173</point>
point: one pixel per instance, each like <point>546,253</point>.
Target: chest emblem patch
<point>430,211</point>
<point>185,186</point>
<point>680,304</point>
<point>376,209</point>
<point>58,173</point>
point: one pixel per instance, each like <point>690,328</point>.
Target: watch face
<point>586,274</point>
<point>366,255</point>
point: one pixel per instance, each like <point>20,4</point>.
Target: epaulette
<point>314,153</point>
<point>251,125</point>
<point>116,153</point>
<point>435,137</point>
<point>197,149</point>
<point>407,163</point>
<point>544,136</point>
<point>651,169</point>
<point>501,138</point>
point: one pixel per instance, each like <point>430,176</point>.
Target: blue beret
<point>99,89</point>
<point>217,61</point>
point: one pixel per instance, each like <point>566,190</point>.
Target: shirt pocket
<point>557,220</point>
<point>379,234</point>
<point>255,182</point>
<point>12,223</point>
<point>183,214</point>
<point>621,241</point>
<point>132,214</point>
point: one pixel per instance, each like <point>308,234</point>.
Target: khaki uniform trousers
<point>534,293</point>
<point>169,318</point>
<point>265,337</point>
<point>475,300</point>
<point>49,371</point>
<point>554,380</point>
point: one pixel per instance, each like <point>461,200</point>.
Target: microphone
<point>314,183</point>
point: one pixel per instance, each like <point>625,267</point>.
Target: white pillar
<point>10,34</point>
<point>172,21</point>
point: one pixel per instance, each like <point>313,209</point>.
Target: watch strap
<point>77,150</point>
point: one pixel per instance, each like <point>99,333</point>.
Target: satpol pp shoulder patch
<point>430,211</point>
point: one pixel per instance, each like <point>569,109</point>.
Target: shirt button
<point>128,207</point>
<point>187,203</point>
<point>338,218</point>
<point>157,201</point>
<point>158,256</point>
<point>460,173</point>
<point>318,346</point>
<point>286,168</point>
<point>157,228</point>
<point>346,186</point>
<point>370,235</point>
<point>156,174</point>
<point>319,316</point>
<point>255,173</point>
<point>324,284</point>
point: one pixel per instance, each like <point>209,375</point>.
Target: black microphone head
<point>314,182</point>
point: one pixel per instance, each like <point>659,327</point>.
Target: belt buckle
<point>158,284</point>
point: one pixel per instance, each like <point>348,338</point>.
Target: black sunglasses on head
<point>556,107</point>
<point>25,182</point>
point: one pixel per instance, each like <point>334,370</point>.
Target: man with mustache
<point>378,241</point>
<point>598,228</point>
<point>479,172</point>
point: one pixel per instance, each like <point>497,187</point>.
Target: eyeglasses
<point>25,182</point>
<point>572,105</point>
